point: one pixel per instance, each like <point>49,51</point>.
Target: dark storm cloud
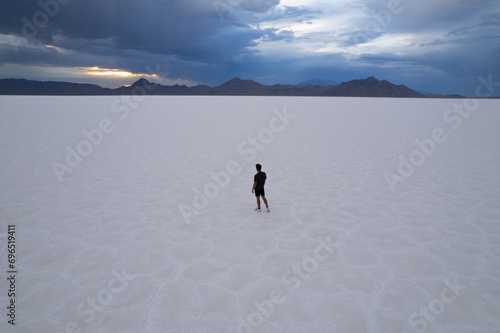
<point>164,27</point>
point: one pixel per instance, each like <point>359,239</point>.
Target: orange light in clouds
<point>112,72</point>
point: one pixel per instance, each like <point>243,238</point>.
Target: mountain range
<point>369,87</point>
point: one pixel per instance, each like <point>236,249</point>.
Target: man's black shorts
<point>259,193</point>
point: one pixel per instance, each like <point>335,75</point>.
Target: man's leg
<point>258,202</point>
<point>265,201</point>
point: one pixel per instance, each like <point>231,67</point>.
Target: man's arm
<point>253,188</point>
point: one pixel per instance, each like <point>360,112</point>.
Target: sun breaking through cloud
<point>114,72</point>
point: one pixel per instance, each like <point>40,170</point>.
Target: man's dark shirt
<point>259,178</point>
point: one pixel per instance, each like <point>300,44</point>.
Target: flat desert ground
<point>135,214</point>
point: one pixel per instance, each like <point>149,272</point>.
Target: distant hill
<point>29,87</point>
<point>238,86</point>
<point>369,87</point>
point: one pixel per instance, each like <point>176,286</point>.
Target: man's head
<point>258,166</point>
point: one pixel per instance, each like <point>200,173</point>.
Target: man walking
<point>259,180</point>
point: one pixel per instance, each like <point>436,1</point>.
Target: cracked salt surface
<point>108,249</point>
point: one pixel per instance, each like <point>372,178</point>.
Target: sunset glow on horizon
<point>113,72</point>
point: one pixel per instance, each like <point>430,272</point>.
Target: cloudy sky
<point>437,46</point>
